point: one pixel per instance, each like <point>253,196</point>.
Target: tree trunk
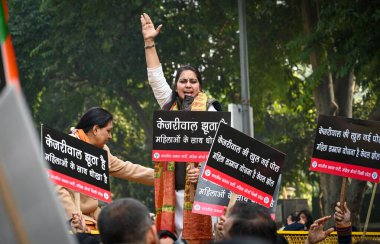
<point>142,118</point>
<point>344,93</point>
<point>344,90</point>
<point>325,102</point>
<point>329,193</point>
<point>355,197</point>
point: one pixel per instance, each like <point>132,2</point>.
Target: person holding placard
<point>174,205</point>
<point>342,218</point>
<point>95,128</point>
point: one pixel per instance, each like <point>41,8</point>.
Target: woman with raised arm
<point>173,180</point>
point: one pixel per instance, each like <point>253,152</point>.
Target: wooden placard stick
<point>369,210</point>
<point>11,209</point>
<point>342,197</point>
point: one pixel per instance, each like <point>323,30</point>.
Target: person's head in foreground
<point>126,220</point>
<point>247,219</point>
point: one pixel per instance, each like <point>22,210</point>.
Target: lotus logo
<point>156,155</point>
<point>374,175</point>
<point>266,199</point>
<point>314,164</point>
<point>106,196</point>
<point>197,207</point>
<point>208,172</point>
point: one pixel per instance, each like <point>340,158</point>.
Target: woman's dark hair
<point>94,116</point>
<point>124,220</point>
<point>309,217</point>
<point>251,219</point>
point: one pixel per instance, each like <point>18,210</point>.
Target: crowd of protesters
<point>128,221</point>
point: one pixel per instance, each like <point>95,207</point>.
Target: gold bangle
<point>147,47</point>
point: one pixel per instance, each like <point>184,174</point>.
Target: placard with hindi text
<point>76,164</point>
<point>185,136</point>
<point>347,147</point>
<point>244,165</point>
<point>212,199</point>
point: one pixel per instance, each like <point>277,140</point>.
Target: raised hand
<point>148,30</point>
<point>316,232</point>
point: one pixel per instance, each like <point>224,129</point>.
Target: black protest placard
<point>75,164</point>
<point>244,165</point>
<point>347,147</point>
<point>185,136</point>
<point>212,199</point>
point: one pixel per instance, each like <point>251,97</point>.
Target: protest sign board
<point>75,164</point>
<point>211,199</point>
<point>244,165</point>
<point>347,147</point>
<point>185,136</point>
<point>29,208</point>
